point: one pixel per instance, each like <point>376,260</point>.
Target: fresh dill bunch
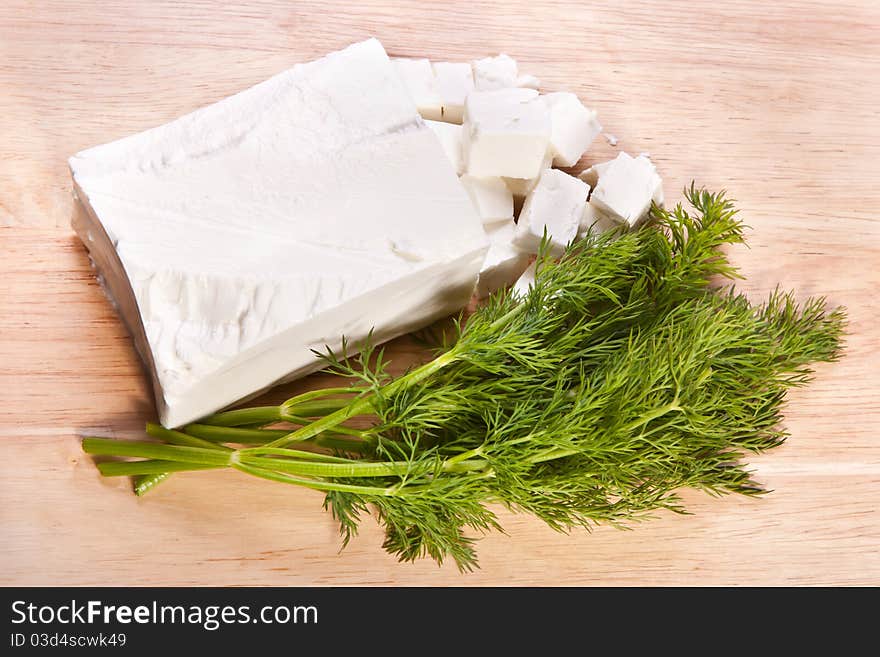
<point>628,372</point>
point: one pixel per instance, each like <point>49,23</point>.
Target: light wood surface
<point>777,102</point>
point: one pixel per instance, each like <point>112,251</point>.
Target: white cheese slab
<point>238,238</point>
<point>504,263</point>
<point>555,205</point>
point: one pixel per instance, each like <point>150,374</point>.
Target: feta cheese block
<point>499,72</point>
<point>238,238</point>
<point>626,187</point>
<point>521,187</point>
<point>492,199</point>
<point>591,177</point>
<point>574,127</point>
<point>555,205</point>
<point>455,80</point>
<point>594,221</point>
<point>504,263</point>
<point>449,135</point>
<point>527,81</point>
<point>591,174</point>
<point>526,280</point>
<point>658,196</point>
<point>417,76</point>
<point>506,133</point>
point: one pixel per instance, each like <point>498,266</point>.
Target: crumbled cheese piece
<point>417,76</point>
<point>626,187</point>
<point>449,135</point>
<point>455,81</point>
<point>658,196</point>
<point>528,82</point>
<point>574,127</point>
<point>591,174</point>
<point>506,133</point>
<point>556,206</point>
<point>236,240</point>
<point>503,263</point>
<point>501,72</point>
<point>594,221</point>
<point>525,282</point>
<point>611,139</point>
<point>491,73</point>
<point>491,198</point>
<point>521,187</point>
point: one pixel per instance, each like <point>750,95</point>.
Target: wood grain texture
<point>777,102</point>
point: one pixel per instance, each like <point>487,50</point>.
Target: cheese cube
<point>574,127</point>
<point>503,263</point>
<point>500,72</point>
<point>491,73</point>
<point>491,198</point>
<point>506,133</point>
<point>237,239</point>
<point>626,187</point>
<point>658,196</point>
<point>449,135</point>
<point>454,82</point>
<point>528,82</point>
<point>525,282</point>
<point>555,205</point>
<point>591,174</point>
<point>417,76</point>
<point>521,187</point>
<point>594,221</point>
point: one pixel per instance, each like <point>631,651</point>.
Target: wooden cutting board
<point>776,102</point>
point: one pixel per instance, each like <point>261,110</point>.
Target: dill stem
<point>242,416</point>
<point>345,467</point>
<point>221,434</point>
<point>288,461</point>
<point>464,456</point>
<point>240,436</point>
<point>149,480</point>
<point>552,455</point>
<point>322,485</point>
<point>145,483</point>
<point>147,468</point>
<point>268,414</point>
<point>257,415</point>
<point>198,455</point>
<point>180,438</point>
<point>362,405</point>
<point>315,484</point>
<point>297,403</point>
<point>653,415</point>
